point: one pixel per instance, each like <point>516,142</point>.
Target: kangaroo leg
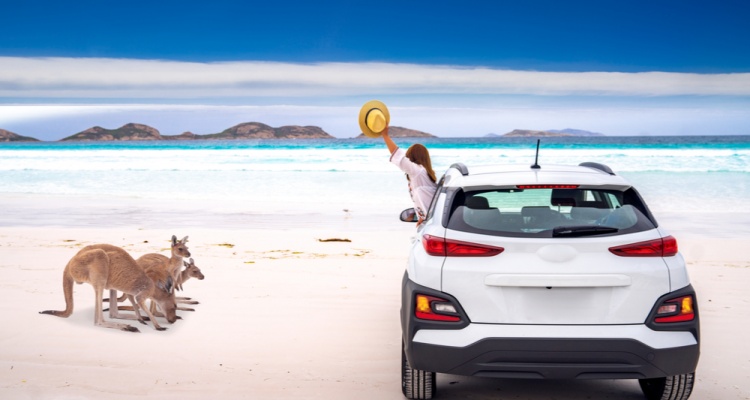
<point>155,310</point>
<point>135,309</point>
<point>120,299</point>
<point>141,300</point>
<point>114,309</point>
<point>99,314</point>
<point>113,304</point>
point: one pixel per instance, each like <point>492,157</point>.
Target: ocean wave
<point>363,160</point>
<point>358,172</point>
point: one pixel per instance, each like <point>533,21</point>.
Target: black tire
<point>677,387</point>
<point>415,383</point>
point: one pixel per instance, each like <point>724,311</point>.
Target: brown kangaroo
<point>105,266</point>
<point>165,298</point>
<point>173,264</point>
<point>162,293</point>
<point>191,271</point>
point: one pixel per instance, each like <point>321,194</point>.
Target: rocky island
<point>248,130</point>
<point>8,136</point>
<point>401,132</point>
<point>256,130</point>
<point>547,133</point>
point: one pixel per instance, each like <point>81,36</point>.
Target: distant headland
<point>8,136</point>
<point>546,133</point>
<point>399,132</point>
<point>257,130</point>
<point>247,130</point>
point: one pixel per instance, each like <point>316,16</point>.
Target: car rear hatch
<point>554,281</point>
<point>556,264</point>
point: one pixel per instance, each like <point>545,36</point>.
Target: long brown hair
<point>418,154</point>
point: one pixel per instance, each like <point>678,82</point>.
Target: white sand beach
<point>283,315</point>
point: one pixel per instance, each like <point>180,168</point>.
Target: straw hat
<point>373,118</point>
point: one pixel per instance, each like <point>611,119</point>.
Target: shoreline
<point>64,211</point>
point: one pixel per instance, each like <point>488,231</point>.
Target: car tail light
<point>664,247</point>
<point>435,309</point>
<point>442,247</point>
<point>433,245</point>
<point>680,309</point>
<point>547,186</point>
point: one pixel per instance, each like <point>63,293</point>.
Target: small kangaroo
<point>172,264</point>
<point>191,271</point>
<point>105,266</point>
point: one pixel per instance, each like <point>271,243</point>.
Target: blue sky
<point>449,68</point>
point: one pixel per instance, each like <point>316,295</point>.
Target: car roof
<point>585,175</point>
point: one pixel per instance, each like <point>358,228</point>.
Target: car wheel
<point>677,387</point>
<point>415,383</point>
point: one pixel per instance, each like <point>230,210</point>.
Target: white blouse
<point>421,187</point>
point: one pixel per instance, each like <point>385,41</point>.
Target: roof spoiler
<point>461,168</point>
<point>600,167</point>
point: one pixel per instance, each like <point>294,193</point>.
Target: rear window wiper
<point>582,230</point>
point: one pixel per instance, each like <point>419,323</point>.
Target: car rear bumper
<point>634,351</point>
<point>552,358</point>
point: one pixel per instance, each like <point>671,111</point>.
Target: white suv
<point>551,272</point>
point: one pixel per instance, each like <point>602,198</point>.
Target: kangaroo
<point>191,271</point>
<point>162,293</point>
<point>172,264</point>
<point>105,266</point>
<point>165,297</point>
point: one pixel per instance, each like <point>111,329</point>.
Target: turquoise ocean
<point>349,176</point>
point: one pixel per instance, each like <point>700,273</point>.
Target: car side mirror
<point>409,215</point>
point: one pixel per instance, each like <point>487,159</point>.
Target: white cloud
<point>129,78</point>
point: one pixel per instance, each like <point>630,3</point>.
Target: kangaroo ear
<point>184,240</point>
<point>191,261</point>
<point>174,240</point>
<point>185,263</point>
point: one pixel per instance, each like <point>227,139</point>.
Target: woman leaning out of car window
<point>415,162</point>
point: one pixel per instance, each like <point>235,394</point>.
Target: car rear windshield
<point>549,212</point>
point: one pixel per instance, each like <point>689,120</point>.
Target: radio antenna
<point>536,159</point>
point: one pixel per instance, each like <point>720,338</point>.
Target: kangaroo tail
<point>68,291</point>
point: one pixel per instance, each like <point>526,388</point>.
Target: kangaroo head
<point>169,306</point>
<point>179,248</point>
<point>166,299</point>
<point>192,270</point>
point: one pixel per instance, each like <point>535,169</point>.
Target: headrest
<point>477,203</point>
